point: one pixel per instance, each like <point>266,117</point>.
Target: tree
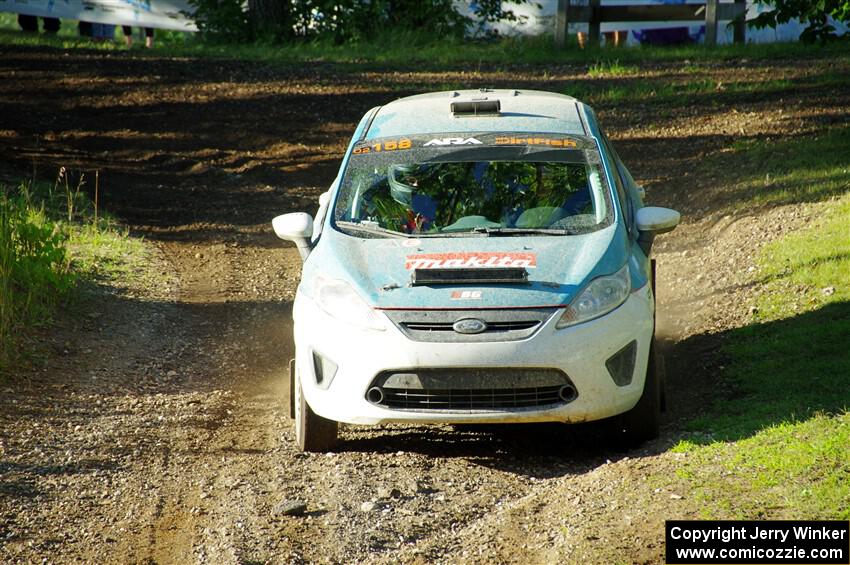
<point>222,20</point>
<point>814,12</point>
<point>272,19</point>
<point>341,20</point>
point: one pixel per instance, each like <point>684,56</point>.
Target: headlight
<point>341,302</point>
<point>602,295</point>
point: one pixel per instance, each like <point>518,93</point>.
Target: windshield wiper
<point>370,229</point>
<point>384,232</point>
<point>522,231</point>
<point>480,231</point>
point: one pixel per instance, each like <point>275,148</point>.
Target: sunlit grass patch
<point>793,470</point>
<point>611,68</point>
<point>797,170</point>
<point>810,269</point>
<point>664,93</point>
<point>106,252</point>
<point>34,270</point>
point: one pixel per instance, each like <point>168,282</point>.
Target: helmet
<point>398,177</point>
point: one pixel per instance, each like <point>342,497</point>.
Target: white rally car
<point>482,257</point>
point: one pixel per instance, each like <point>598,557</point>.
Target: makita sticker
<point>480,260</point>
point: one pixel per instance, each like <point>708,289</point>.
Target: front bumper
<point>579,351</point>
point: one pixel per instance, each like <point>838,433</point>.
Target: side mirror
<point>651,221</point>
<point>296,227</point>
<point>641,191</point>
<point>656,220</point>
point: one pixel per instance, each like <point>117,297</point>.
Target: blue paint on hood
<point>380,269</point>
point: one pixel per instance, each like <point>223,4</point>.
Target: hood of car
<point>401,273</point>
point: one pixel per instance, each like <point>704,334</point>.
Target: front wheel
<point>642,423</point>
<point>312,432</point>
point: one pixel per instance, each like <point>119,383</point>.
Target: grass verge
<point>778,448</point>
<point>776,172</point>
<point>51,240</point>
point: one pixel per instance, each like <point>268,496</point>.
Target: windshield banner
<point>160,14</point>
<point>459,141</point>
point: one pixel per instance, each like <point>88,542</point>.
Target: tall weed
<point>7,259</point>
<point>35,273</point>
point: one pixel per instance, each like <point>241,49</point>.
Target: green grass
<point>401,49</point>
<point>794,357</point>
<point>778,447</point>
<point>611,69</point>
<point>810,270</point>
<point>34,269</point>
<point>664,93</point>
<point>807,170</point>
<point>51,240</point>
<point>796,470</point>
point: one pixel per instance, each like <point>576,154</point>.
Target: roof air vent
<point>482,107</point>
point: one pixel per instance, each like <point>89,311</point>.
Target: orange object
<point>614,38</point>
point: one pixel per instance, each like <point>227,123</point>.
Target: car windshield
<point>473,185</point>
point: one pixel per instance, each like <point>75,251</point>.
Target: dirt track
<point>156,431</point>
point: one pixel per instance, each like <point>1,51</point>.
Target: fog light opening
<point>568,393</point>
<point>621,365</point>
<point>324,370</point>
<point>375,395</point>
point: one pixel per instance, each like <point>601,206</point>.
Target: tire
<point>312,432</point>
<point>642,423</point>
<point>661,371</point>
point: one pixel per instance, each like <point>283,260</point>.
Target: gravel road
<point>155,430</point>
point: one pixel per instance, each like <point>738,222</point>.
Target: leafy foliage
<point>341,21</point>
<point>51,238</point>
<point>493,11</point>
<point>222,20</point>
<point>34,269</point>
<point>815,12</point>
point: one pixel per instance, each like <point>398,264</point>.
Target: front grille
<point>502,324</point>
<point>470,399</point>
<point>471,389</point>
<point>491,327</point>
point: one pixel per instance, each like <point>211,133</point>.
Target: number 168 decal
<point>388,145</point>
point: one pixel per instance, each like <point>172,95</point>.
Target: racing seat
<point>541,217</point>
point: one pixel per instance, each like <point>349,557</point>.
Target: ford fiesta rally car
<point>482,257</point>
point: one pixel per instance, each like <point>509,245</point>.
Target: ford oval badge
<point>469,326</point>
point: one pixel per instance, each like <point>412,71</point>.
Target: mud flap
<point>292,388</point>
<point>654,296</point>
<point>660,367</point>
